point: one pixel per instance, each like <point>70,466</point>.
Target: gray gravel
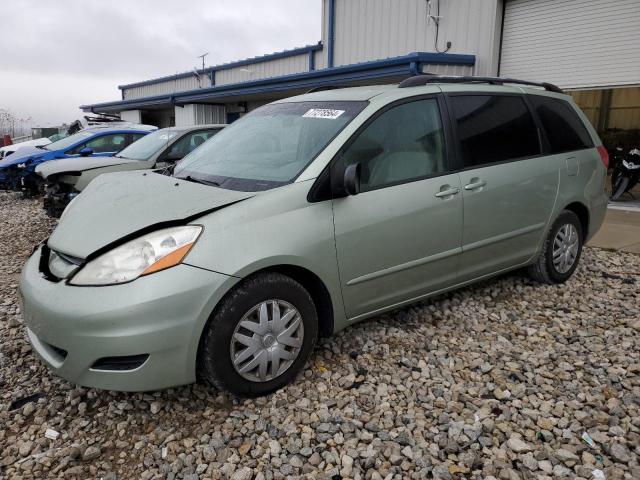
<point>499,380</point>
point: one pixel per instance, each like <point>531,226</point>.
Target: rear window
<point>562,125</point>
<point>494,128</point>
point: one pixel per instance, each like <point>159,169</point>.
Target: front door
<point>401,236</point>
<point>508,186</point>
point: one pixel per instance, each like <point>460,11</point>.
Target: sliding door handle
<point>447,193</point>
<point>477,184</point>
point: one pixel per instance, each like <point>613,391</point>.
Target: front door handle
<point>447,193</point>
<point>475,185</point>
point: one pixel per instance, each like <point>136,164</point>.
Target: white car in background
<point>9,149</point>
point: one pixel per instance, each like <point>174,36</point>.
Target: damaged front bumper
<point>56,198</point>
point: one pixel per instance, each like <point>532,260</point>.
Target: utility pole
<point>202,57</point>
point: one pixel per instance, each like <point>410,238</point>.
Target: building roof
<point>365,72</point>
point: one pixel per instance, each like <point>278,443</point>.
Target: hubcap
<point>267,340</point>
<point>565,248</point>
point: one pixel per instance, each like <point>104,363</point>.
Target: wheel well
<point>583,215</point>
<point>316,288</point>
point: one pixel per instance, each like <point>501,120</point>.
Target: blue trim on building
<point>312,61</point>
<point>405,65</point>
<point>331,33</point>
<point>227,66</point>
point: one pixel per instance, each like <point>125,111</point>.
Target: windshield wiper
<point>189,178</point>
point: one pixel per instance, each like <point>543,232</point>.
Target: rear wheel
<point>561,250</point>
<point>259,337</point>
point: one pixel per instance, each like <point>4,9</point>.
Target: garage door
<point>573,43</point>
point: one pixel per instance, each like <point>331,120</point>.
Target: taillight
<point>604,156</point>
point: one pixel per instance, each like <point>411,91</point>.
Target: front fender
<point>273,229</point>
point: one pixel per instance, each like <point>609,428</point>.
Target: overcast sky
<point>57,55</point>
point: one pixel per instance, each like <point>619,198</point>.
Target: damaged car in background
<point>17,171</point>
<point>65,179</point>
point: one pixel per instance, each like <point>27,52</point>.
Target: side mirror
<point>85,152</point>
<point>173,156</point>
<point>352,179</point>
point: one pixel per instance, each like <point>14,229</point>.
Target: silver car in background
<point>66,178</point>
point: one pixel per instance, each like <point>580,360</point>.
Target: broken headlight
<point>148,254</point>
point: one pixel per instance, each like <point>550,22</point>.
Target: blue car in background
<point>17,171</point>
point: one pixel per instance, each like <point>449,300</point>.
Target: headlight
<point>630,165</point>
<point>148,254</point>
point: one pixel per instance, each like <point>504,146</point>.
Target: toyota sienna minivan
<point>305,216</point>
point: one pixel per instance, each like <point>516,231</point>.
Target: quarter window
<point>403,144</point>
<point>494,128</point>
<point>562,126</point>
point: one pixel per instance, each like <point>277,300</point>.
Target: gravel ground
<point>498,380</point>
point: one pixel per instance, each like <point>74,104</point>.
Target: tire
<point>544,269</point>
<point>218,344</point>
<point>620,187</point>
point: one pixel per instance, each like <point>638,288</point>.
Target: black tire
<point>543,269</point>
<point>214,364</point>
<point>620,187</point>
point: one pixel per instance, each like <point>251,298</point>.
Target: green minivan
<point>305,216</point>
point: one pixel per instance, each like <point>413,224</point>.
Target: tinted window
<point>190,142</point>
<point>134,137</point>
<point>103,144</point>
<point>562,126</point>
<point>404,143</point>
<point>494,128</point>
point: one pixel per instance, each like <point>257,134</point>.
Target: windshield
<point>57,136</point>
<point>269,147</point>
<point>148,145</point>
<point>70,140</point>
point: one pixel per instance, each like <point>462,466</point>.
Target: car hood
<point>78,164</point>
<point>116,205</point>
<point>22,154</point>
<point>29,143</point>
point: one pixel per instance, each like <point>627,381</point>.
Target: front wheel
<point>259,337</point>
<point>561,250</point>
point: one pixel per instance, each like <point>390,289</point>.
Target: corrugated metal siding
<point>256,71</point>
<point>133,116</point>
<point>195,114</point>
<point>625,108</point>
<point>589,102</point>
<point>271,68</point>
<point>163,88</point>
<point>376,29</point>
<point>457,70</point>
<point>573,43</point>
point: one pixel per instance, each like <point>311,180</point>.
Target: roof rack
<point>322,88</point>
<point>422,80</point>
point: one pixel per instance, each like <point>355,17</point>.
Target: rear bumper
<point>161,316</point>
<point>597,213</point>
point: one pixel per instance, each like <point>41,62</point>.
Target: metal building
<point>590,46</point>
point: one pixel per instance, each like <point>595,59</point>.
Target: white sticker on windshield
<point>323,113</point>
